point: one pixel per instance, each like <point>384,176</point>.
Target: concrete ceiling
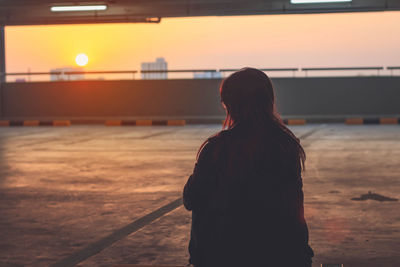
<point>36,12</point>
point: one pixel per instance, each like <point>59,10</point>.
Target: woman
<point>245,192</point>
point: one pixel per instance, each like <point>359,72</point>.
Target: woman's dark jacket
<point>246,199</point>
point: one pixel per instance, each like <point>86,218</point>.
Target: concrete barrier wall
<point>142,98</point>
<point>185,98</point>
<point>339,96</point>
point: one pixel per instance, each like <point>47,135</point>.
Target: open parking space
<point>64,189</point>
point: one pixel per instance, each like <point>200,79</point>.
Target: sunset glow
<point>314,40</point>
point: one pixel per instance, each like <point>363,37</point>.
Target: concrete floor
<point>64,189</point>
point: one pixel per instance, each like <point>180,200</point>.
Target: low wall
<point>197,98</point>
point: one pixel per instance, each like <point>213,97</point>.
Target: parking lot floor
<point>80,195</point>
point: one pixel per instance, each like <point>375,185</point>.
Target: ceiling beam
<point>36,12</point>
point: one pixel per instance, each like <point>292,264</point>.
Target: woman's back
<point>248,210</point>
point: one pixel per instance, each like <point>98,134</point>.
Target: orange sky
<point>347,39</point>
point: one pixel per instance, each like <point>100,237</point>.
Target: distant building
<point>207,75</point>
<point>159,64</point>
<point>54,76</point>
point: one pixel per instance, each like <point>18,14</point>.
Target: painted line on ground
<point>117,137</point>
<point>89,136</point>
<point>60,140</point>
<point>307,134</point>
<point>105,242</point>
<point>21,134</point>
<point>39,142</point>
<point>154,134</point>
<point>312,131</point>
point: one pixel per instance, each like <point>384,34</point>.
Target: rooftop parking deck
<point>64,191</point>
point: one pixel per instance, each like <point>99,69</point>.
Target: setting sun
<point>81,59</point>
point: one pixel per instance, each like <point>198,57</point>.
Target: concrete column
<point>2,54</point>
<point>2,66</point>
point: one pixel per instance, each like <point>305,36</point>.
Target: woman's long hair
<point>248,96</point>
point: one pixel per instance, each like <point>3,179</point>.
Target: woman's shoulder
<point>218,137</point>
<point>213,145</point>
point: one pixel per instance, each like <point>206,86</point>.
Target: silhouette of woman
<point>245,192</point>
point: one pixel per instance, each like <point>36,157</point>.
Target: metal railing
<point>392,68</point>
<point>179,71</point>
<point>306,70</point>
<point>221,72</point>
<point>293,70</point>
<point>69,72</point>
